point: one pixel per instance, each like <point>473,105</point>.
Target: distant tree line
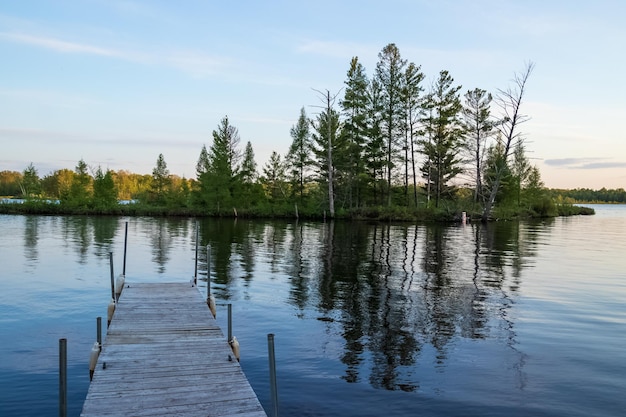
<point>587,195</point>
<point>389,146</point>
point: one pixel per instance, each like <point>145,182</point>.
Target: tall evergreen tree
<point>218,184</point>
<point>80,191</point>
<point>299,155</point>
<point>389,73</point>
<point>248,172</point>
<point>161,181</point>
<point>375,145</point>
<point>203,164</point>
<point>250,190</point>
<point>411,97</point>
<point>479,126</point>
<point>325,145</point>
<point>444,132</point>
<point>355,111</point>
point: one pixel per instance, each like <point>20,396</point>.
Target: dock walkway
<point>165,355</point>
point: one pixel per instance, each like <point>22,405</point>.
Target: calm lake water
<point>509,319</point>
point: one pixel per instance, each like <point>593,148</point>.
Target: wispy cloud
<point>195,63</point>
<point>568,162</point>
<point>603,165</point>
<point>584,163</point>
<point>59,45</point>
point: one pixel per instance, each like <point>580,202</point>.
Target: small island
<point>387,149</point>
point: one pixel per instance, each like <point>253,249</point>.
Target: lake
<point>506,319</point>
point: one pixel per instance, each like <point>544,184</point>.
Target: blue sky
<point>117,82</point>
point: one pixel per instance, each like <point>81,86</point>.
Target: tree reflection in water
<point>394,289</point>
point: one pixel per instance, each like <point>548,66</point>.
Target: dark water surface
<point>509,319</point>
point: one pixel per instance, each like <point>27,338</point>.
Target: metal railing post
<point>99,332</point>
<point>125,244</point>
<point>273,384</point>
<point>62,377</point>
<point>230,322</point>
<point>112,276</point>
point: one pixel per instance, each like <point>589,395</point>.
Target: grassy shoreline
<point>394,213</point>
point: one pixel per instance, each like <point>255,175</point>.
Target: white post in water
<point>463,218</point>
<point>62,377</point>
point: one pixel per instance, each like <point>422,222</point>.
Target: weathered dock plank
<point>165,355</point>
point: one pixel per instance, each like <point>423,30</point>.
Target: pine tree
<point>248,171</point>
<point>375,145</point>
<point>443,136</point>
<point>274,179</point>
<point>218,184</point>
<point>161,181</point>
<point>80,191</point>
<point>250,192</point>
<point>326,145</point>
<point>299,156</point>
<point>479,126</point>
<point>389,73</point>
<point>202,166</point>
<point>412,112</point>
<point>355,111</point>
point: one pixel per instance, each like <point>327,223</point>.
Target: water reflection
<point>390,291</point>
<point>104,234</point>
<point>161,244</point>
<point>298,268</point>
<point>494,319</point>
<point>31,236</point>
<point>394,289</point>
<point>77,233</point>
<point>78,230</point>
<point>398,295</point>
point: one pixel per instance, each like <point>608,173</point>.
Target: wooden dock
<point>165,355</point>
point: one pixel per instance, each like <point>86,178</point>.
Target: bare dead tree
<point>510,102</point>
